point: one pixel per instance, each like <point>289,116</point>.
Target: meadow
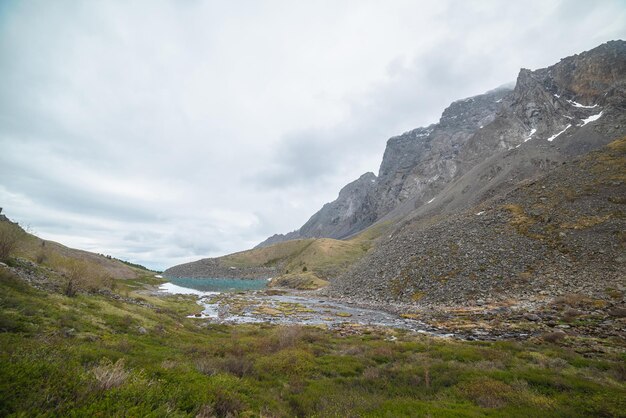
<point>127,352</point>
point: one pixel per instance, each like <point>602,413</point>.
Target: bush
<point>10,236</point>
<point>486,392</point>
<point>287,336</point>
<point>289,363</point>
<point>238,365</point>
<point>80,276</point>
<point>553,337</point>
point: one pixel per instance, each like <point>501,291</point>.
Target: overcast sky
<point>164,132</point>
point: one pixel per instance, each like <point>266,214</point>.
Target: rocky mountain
<point>542,216</point>
<point>561,233</point>
<point>351,212</point>
<point>475,134</point>
<point>507,196</point>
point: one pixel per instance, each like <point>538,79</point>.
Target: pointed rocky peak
<point>581,81</point>
<point>363,183</point>
<point>545,105</point>
<point>473,112</point>
<point>587,76</point>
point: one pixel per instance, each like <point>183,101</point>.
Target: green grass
<point>86,356</point>
<point>321,258</point>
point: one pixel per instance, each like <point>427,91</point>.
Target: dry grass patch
<point>110,375</point>
<point>521,221</point>
<point>585,222</point>
<point>486,392</point>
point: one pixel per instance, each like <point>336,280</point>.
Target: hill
<point>302,264</point>
<point>50,265</point>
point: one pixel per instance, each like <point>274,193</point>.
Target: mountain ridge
<point>482,149</point>
<point>418,164</point>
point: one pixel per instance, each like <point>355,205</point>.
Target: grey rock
<point>476,134</point>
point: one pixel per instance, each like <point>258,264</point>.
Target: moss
<point>521,221</point>
<point>416,296</point>
<point>585,222</point>
<point>266,310</point>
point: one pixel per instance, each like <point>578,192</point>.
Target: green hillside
<point>308,263</point>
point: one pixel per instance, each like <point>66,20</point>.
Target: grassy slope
<point>87,355</point>
<point>57,257</point>
<point>307,263</point>
<point>126,352</point>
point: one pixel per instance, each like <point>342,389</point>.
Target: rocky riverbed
<point>572,315</point>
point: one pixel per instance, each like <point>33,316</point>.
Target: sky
<point>163,132</point>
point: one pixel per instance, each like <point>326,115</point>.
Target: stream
<point>259,306</point>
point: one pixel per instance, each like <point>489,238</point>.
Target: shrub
<point>287,336</point>
<point>372,373</point>
<point>42,255</point>
<point>289,363</point>
<point>227,404</point>
<point>553,337</point>
<point>208,366</point>
<point>10,236</point>
<point>486,392</point>
<point>80,276</point>
<point>238,365</point>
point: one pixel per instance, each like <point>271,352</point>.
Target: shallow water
<point>258,307</point>
<point>218,285</point>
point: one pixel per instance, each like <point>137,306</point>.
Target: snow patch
<point>482,211</point>
<point>532,132</point>
<point>554,136</point>
<point>575,104</point>
<point>430,201</point>
<point>557,96</point>
<point>158,276</point>
<point>498,101</point>
<point>179,290</point>
<point>591,118</point>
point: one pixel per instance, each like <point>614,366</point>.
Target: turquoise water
<point>219,285</point>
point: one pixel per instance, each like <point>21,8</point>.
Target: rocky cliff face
<point>418,165</point>
<point>351,212</point>
<point>531,212</point>
<point>562,233</point>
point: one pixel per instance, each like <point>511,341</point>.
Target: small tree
<point>42,255</point>
<point>10,236</point>
<point>77,276</point>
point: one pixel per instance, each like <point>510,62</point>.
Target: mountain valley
<point>480,272</point>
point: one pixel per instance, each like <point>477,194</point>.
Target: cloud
<point>163,132</point>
